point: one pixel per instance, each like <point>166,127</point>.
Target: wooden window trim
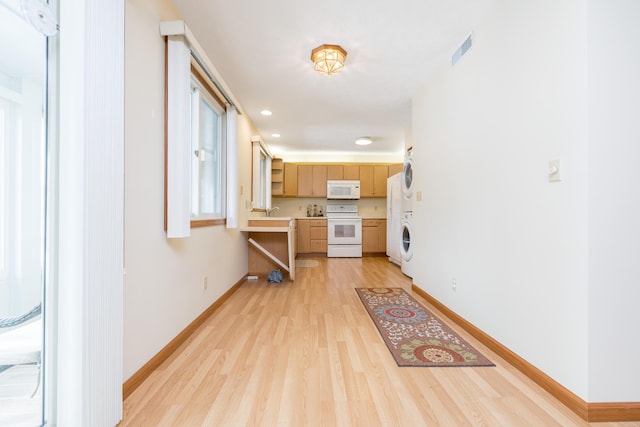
<point>207,222</point>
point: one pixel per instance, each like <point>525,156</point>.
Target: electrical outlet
<point>205,283</point>
<point>454,284</point>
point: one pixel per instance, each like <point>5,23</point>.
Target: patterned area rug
<point>415,336</point>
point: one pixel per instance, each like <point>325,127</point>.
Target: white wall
<point>163,289</point>
<point>483,133</point>
<point>614,200</point>
<point>548,269</point>
<point>342,157</point>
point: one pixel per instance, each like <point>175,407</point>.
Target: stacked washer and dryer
<point>406,222</point>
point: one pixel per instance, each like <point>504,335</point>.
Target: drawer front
<point>318,233</point>
<point>319,245</point>
<point>318,222</point>
<point>371,222</point>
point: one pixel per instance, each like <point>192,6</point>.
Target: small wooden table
<point>271,240</point>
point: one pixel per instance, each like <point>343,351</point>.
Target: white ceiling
<point>262,50</point>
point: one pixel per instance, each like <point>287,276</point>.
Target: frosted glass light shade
<point>328,59</point>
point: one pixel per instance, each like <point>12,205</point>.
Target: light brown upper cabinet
<point>319,181</point>
<point>305,180</point>
<point>290,186</point>
<point>335,172</point>
<point>351,171</point>
<point>312,181</point>
<point>395,168</point>
<point>373,180</point>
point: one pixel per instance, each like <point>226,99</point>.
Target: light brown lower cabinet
<point>312,235</point>
<point>374,236</point>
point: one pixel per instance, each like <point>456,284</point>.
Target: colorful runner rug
<point>415,336</point>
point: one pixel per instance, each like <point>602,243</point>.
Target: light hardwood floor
<point>306,353</point>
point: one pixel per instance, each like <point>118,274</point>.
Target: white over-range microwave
<point>343,189</point>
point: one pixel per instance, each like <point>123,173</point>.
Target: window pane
<point>3,184</point>
<point>22,195</point>
<point>263,180</point>
<point>210,162</point>
<point>207,166</point>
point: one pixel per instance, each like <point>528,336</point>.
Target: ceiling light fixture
<point>275,135</point>
<point>328,59</point>
<point>266,112</point>
<point>365,140</point>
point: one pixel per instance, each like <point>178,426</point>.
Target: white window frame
<point>261,171</point>
<point>199,95</point>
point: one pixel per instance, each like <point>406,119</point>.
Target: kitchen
<point>339,209</point>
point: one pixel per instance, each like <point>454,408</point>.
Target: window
<point>22,172</point>
<point>201,130</point>
<point>208,160</point>
<point>3,200</point>
<point>261,185</point>
<point>23,130</point>
<point>14,166</point>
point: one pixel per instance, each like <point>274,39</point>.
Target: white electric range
<point>344,231</point>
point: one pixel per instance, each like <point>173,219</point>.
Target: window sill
<point>207,222</point>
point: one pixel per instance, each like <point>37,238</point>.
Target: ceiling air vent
<point>464,48</point>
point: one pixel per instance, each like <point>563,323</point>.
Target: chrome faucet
<point>271,210</point>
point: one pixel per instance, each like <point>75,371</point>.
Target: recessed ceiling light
<point>275,135</point>
<point>266,112</point>
<point>364,141</point>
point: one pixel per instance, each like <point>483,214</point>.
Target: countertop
<point>303,218</point>
<point>324,217</point>
<point>261,224</point>
<point>265,229</point>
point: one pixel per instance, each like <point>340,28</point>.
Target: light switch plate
<point>554,171</point>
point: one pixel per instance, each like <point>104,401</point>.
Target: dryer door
<point>407,178</point>
<point>407,183</point>
<point>406,247</point>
